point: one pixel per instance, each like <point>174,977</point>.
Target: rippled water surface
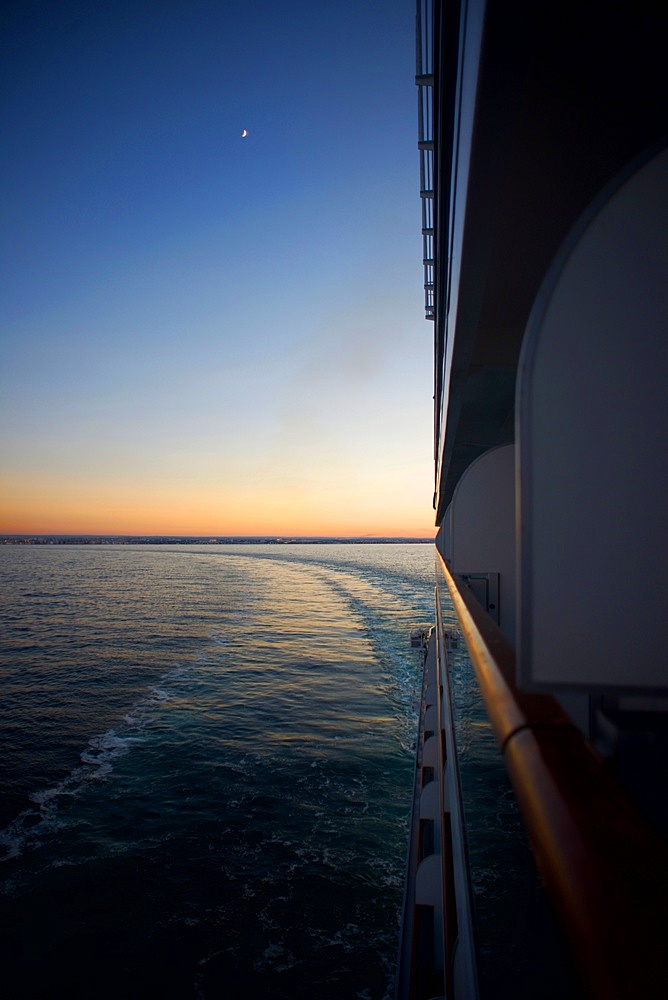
<point>206,767</point>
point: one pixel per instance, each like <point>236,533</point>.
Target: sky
<point>200,332</point>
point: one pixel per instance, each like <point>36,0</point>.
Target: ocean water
<point>206,768</point>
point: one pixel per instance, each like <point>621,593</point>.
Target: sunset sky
<point>203,333</point>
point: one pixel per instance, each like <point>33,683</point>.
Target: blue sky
<point>204,333</point>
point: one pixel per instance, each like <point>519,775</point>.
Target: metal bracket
<point>485,587</point>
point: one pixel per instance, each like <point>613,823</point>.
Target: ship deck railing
<point>603,866</point>
<point>424,80</point>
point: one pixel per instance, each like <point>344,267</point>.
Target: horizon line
<point>209,537</point>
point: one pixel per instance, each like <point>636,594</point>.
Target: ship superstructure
<point>544,189</point>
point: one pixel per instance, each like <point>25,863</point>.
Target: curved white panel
<point>482,526</point>
<point>593,454</point>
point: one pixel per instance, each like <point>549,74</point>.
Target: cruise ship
<point>544,192</point>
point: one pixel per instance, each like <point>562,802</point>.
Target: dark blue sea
<point>206,767</point>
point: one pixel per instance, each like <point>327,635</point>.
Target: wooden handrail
<point>604,868</point>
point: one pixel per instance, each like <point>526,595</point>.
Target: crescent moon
<point>244,134</point>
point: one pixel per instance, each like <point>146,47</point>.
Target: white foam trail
<point>97,763</point>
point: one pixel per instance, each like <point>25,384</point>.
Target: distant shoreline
<point>206,540</point>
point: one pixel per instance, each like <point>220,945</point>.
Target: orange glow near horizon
<point>93,509</point>
<point>92,525</point>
